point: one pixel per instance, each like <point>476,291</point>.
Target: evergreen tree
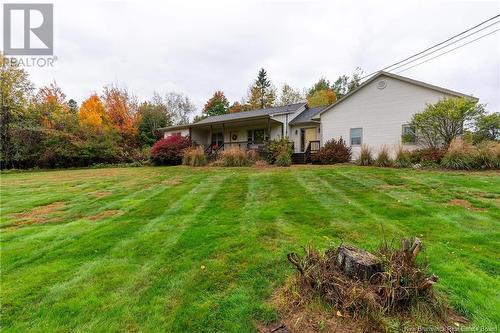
<point>345,84</point>
<point>73,105</point>
<point>262,93</point>
<point>322,84</point>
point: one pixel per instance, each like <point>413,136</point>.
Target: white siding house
<point>375,114</point>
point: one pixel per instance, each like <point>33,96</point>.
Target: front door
<point>307,135</point>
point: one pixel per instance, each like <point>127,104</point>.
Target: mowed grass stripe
<point>445,255</point>
<point>129,267</point>
<point>239,223</point>
<point>58,263</point>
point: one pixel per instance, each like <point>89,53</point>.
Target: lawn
<point>176,249</point>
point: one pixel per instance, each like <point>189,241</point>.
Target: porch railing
<point>311,150</point>
<point>211,150</point>
<point>240,144</point>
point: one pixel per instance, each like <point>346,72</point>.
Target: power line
<point>453,49</point>
<point>444,46</point>
<point>430,48</point>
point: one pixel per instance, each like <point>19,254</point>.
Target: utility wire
<point>430,48</point>
<point>439,55</point>
<point>444,46</point>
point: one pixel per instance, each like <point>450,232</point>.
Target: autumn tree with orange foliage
<point>321,98</point>
<point>121,109</point>
<point>93,113</point>
<point>236,107</point>
<point>50,104</point>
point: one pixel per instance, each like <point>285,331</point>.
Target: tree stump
<point>357,263</point>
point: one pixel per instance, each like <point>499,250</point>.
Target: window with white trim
<point>356,135</point>
<point>257,135</point>
<point>408,134</point>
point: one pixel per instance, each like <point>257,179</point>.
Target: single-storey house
<point>376,114</point>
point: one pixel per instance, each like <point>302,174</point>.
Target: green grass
<point>139,266</point>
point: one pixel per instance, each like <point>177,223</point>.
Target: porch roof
<point>307,115</point>
<point>241,116</point>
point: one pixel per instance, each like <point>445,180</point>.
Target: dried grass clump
<point>261,164</point>
<point>365,156</point>
<point>404,286</point>
<point>403,158</point>
<point>233,157</point>
<point>488,155</point>
<point>194,156</point>
<point>383,158</point>
<point>460,155</point>
<point>253,156</point>
<point>284,159</point>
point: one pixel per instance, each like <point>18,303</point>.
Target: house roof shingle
<point>307,115</point>
<point>243,115</point>
<point>251,114</point>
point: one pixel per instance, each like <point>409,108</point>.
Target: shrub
<point>284,159</point>
<point>194,156</point>
<point>275,147</point>
<point>427,156</point>
<point>488,155</point>
<point>169,151</point>
<point>460,155</point>
<point>487,128</point>
<point>333,151</point>
<point>365,156</point>
<point>443,121</point>
<point>233,157</point>
<point>403,158</point>
<point>383,158</point>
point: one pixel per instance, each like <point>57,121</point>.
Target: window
<point>217,139</point>
<point>356,136</point>
<point>408,134</point>
<point>257,135</point>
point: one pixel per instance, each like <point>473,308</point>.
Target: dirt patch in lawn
<point>38,215</point>
<point>465,204</point>
<point>172,182</point>
<point>101,194</point>
<point>104,214</point>
<point>390,187</point>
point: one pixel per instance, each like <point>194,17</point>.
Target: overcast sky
<point>197,47</point>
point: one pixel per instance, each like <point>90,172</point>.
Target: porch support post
<point>268,128</point>
<point>210,137</point>
<point>223,137</point>
<point>190,132</point>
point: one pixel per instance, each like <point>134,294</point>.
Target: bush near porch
<point>279,151</point>
<point>333,151</point>
<point>169,151</point>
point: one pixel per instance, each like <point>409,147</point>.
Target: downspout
<point>286,125</point>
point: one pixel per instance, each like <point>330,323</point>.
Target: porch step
<point>298,158</point>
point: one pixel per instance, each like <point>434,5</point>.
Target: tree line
<point>263,94</point>
<point>41,127</point>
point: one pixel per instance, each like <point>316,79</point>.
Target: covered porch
<point>243,133</point>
